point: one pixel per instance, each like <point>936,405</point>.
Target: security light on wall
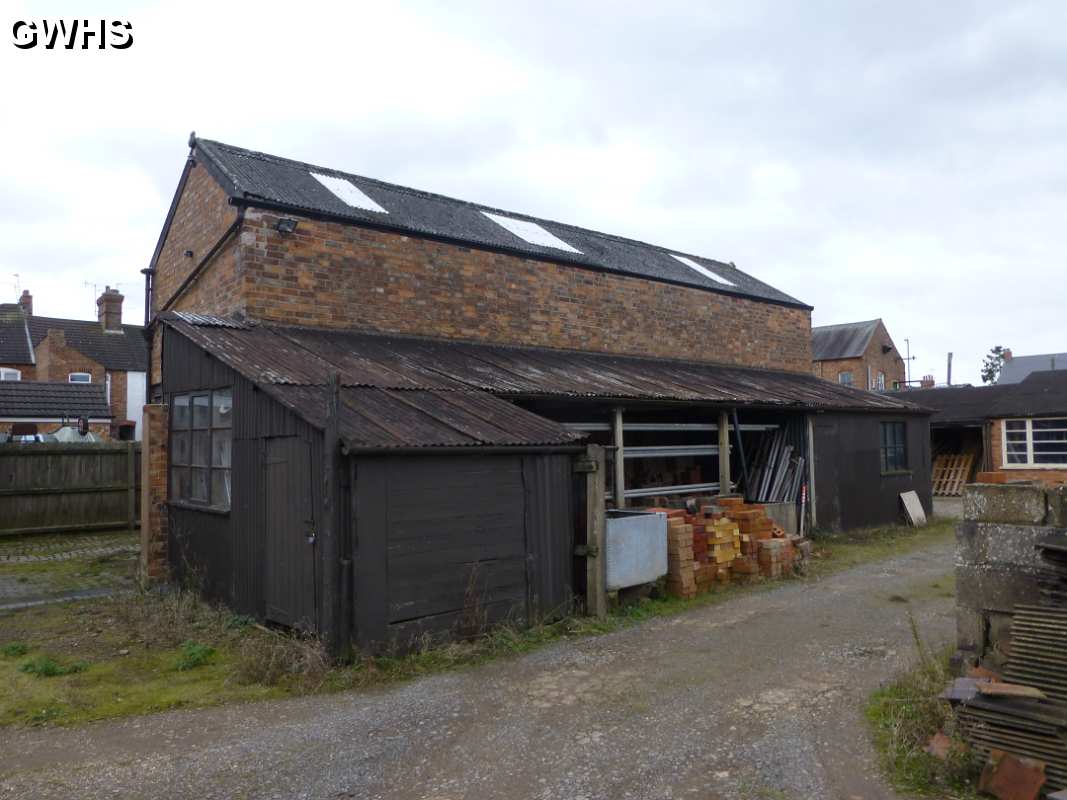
<point>286,225</point>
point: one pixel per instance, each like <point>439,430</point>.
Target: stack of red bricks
<point>728,539</point>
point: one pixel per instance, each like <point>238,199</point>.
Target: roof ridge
<point>469,203</point>
<point>847,324</point>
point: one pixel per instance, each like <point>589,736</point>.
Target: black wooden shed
<point>387,487</point>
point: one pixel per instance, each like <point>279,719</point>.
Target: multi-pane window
<point>79,377</point>
<point>845,378</point>
<point>7,374</point>
<point>201,425</point>
<point>880,383</point>
<point>1035,442</point>
<point>894,447</point>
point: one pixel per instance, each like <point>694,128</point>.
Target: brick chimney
<point>26,301</point>
<point>109,309</point>
<point>1007,353</point>
<point>927,382</point>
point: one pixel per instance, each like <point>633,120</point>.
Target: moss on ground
<point>132,645</point>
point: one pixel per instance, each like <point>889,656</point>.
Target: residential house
<point>1012,431</point>
<point>860,354</point>
<point>1015,368</point>
<point>463,356</point>
<point>29,407</point>
<point>104,352</point>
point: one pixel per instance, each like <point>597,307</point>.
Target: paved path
<point>757,698</point>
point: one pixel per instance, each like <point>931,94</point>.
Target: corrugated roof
<point>270,180</point>
<point>14,337</point>
<point>38,399</point>
<point>124,350</point>
<point>1016,369</point>
<point>848,340</point>
<point>1040,394</point>
<point>301,356</point>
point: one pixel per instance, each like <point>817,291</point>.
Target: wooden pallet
<point>951,472</point>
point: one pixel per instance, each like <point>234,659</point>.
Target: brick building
<point>859,354</point>
<point>104,352</point>
<point>461,354</point>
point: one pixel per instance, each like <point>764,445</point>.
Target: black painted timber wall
<point>850,489</point>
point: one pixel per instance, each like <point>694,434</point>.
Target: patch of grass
<point>47,667</point>
<point>192,655</point>
<point>14,649</point>
<point>838,551</point>
<point>116,570</point>
<point>135,642</point>
<point>904,715</point>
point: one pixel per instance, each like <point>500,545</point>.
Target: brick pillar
<point>154,493</point>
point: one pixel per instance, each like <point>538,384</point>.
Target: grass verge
<point>904,715</point>
<point>149,652</point>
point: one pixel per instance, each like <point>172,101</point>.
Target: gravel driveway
<point>758,697</point>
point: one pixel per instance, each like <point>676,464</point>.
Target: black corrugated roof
<point>848,340</point>
<point>1040,394</point>
<point>303,356</point>
<point>1016,369</point>
<point>264,179</point>
<point>38,399</point>
<point>120,350</point>
<point>14,338</point>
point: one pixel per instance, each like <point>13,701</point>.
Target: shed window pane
<point>201,412</point>
<point>222,408</point>
<point>220,487</point>
<point>198,490</point>
<point>1016,425</point>
<point>179,448</point>
<point>180,412</point>
<point>844,378</point>
<point>893,450</point>
<point>201,448</point>
<point>179,483</point>
<point>220,448</point>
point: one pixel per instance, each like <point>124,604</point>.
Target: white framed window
<point>1035,443</point>
<point>79,377</point>
<point>845,378</point>
<point>9,374</point>
<point>880,383</point>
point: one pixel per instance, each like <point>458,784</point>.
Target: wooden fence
<point>52,488</point>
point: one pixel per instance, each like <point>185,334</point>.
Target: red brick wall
<point>27,371</point>
<point>1013,473</point>
<point>55,360</point>
<point>154,493</point>
<point>118,396</point>
<point>829,370</point>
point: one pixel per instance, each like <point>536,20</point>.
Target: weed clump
<point>48,667</point>
<point>14,649</point>
<point>193,655</point>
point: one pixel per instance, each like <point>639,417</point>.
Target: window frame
<point>6,371</point>
<point>879,381</point>
<point>201,450</point>
<point>70,377</point>
<point>1028,440</point>
<point>842,374</point>
<point>899,463</point>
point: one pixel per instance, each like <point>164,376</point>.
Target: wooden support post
<point>334,637</point>
<point>724,452</point>
<point>131,487</point>
<point>596,592</point>
<point>811,472</point>
<point>620,464</point>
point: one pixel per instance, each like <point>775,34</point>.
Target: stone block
<point>1020,504</point>
<point>970,629</point>
<point>1000,545</point>
<point>989,588</point>
<point>1056,497</point>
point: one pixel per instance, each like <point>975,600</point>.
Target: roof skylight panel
<point>531,232</point>
<point>348,193</point>
<point>707,273</point>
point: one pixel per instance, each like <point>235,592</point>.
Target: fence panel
<point>51,488</point>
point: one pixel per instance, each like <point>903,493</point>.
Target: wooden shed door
<point>290,579</point>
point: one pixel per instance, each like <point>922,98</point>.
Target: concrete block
<point>970,629</point>
<point>1000,545</point>
<point>1021,504</point>
<point>988,588</point>
<point>1056,497</point>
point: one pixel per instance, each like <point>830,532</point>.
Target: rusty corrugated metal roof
<point>302,356</point>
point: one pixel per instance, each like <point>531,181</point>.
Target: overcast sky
<point>894,160</point>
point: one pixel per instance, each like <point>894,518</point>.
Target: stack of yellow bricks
<point>681,573</point>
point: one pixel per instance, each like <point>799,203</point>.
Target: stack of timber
<point>951,471</point>
<point>727,540</point>
<point>777,470</point>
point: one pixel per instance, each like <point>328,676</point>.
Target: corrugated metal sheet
<point>299,356</point>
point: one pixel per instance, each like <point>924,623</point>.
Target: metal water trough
<point>636,548</point>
